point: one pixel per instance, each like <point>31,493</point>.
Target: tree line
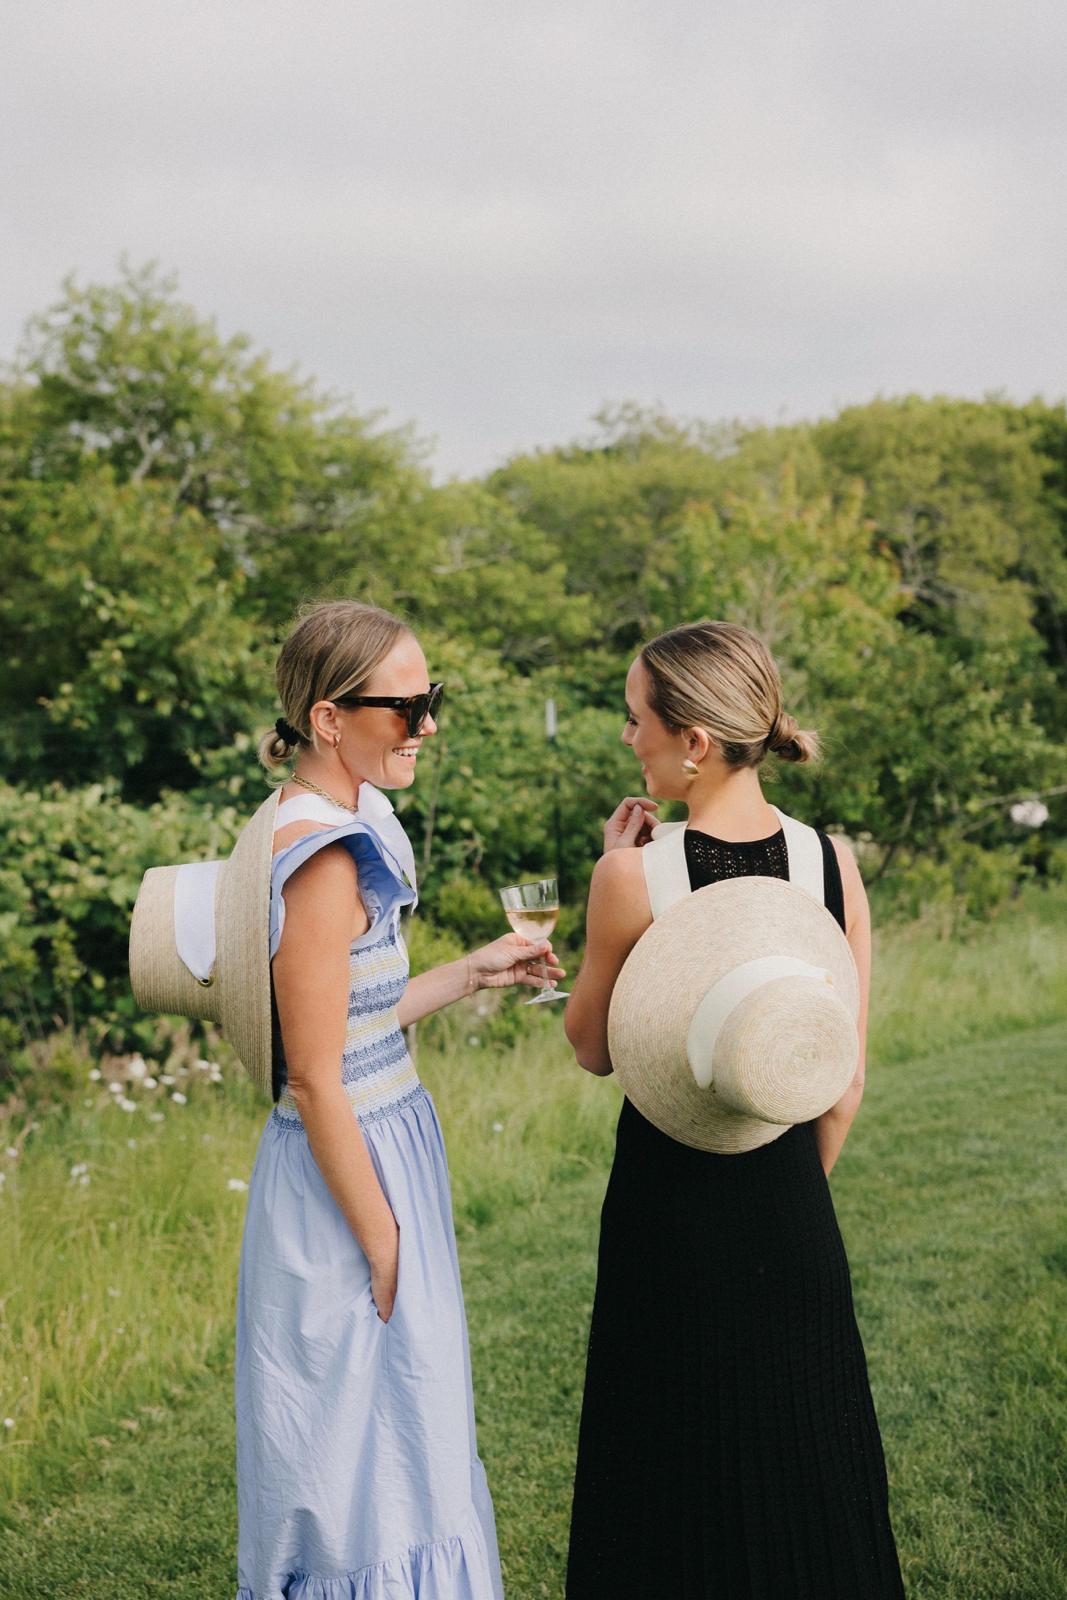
<point>168,497</point>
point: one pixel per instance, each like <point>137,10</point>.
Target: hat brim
<point>242,936</point>
<point>670,969</point>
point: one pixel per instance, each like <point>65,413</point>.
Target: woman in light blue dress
<point>358,1473</point>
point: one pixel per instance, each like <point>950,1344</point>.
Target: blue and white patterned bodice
<point>377,1073</point>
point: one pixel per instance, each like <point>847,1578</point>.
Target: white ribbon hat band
<point>711,1015</point>
<point>194,916</point>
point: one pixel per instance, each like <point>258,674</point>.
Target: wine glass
<point>533,910</point>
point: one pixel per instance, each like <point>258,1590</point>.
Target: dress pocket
<point>399,1270</point>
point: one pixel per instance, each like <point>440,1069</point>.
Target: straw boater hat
<point>201,933</point>
<point>734,1015</point>
<point>190,963</point>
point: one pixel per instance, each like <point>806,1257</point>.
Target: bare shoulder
<point>857,911</point>
<point>329,872</point>
<point>617,892</point>
<point>846,860</point>
<point>290,832</point>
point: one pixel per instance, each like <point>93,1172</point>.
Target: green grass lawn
<point>117,1299</point>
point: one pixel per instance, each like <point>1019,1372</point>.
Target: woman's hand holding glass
<point>507,961</point>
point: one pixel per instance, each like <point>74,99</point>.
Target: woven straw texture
<point>787,1052</point>
<point>159,978</point>
<point>242,934</point>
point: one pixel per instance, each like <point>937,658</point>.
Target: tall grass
<point>112,1291</point>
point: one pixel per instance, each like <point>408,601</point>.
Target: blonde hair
<point>331,650</point>
<point>721,677</point>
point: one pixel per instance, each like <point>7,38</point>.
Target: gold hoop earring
<point>690,768</point>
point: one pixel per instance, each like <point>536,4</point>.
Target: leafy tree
<point>125,650</point>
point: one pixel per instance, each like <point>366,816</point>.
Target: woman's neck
<point>331,774</point>
<point>732,807</point>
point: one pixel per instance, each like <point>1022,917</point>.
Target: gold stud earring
<point>690,768</point>
<point>336,740</point>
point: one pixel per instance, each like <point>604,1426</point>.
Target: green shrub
<point>71,862</point>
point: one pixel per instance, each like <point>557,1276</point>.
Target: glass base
<point>545,996</point>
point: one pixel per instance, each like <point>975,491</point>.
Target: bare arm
<point>832,1127</point>
<point>311,986</point>
<point>616,916</point>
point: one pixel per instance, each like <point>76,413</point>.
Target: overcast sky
<point>491,219</point>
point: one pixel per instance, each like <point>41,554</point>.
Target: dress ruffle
<point>383,884</point>
<point>459,1568</point>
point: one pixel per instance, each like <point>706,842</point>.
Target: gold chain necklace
<point>296,778</point>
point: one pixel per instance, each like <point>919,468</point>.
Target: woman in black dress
<point>728,1447</point>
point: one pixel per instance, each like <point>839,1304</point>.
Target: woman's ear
<point>698,742</point>
<point>325,722</point>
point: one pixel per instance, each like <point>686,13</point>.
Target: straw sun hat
<point>734,1016</point>
<point>190,963</point>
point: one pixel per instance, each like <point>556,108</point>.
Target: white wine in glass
<point>533,910</point>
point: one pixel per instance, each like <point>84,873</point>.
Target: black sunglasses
<point>415,707</point>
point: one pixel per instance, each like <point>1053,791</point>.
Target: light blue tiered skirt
<point>357,1466</point>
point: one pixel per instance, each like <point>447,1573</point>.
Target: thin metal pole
<point>551,727</point>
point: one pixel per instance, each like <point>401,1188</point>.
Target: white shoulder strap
<point>310,808</point>
<point>804,851</point>
<point>666,874</point>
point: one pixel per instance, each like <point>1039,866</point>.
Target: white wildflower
<point>155,1116</point>
<point>237,1184</point>
<point>136,1069</point>
<point>78,1168</point>
<point>113,1293</point>
<point>202,1065</point>
<point>84,1179</point>
<point>95,1075</point>
<point>9,1422</point>
<point>87,1102</point>
<point>131,1144</point>
<point>114,1088</point>
<point>167,1078</point>
<point>12,1152</point>
<point>1029,813</point>
<point>126,1105</point>
<point>498,1127</point>
<point>149,1083</point>
<point>179,1098</point>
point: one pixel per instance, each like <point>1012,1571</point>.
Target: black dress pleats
<point>728,1447</point>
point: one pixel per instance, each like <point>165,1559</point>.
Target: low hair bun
<point>790,742</point>
<point>276,747</point>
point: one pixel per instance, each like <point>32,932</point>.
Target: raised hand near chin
<point>631,823</point>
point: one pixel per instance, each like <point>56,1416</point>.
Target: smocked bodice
<point>377,1072</point>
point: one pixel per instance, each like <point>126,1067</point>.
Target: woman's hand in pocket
<point>383,1278</point>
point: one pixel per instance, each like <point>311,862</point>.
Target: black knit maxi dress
<point>728,1447</point>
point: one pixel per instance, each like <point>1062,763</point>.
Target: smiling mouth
<point>408,752</point>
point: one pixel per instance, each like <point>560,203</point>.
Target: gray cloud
<point>492,218</point>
